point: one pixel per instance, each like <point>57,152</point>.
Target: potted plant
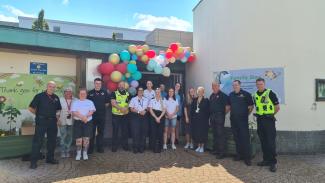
<point>11,113</point>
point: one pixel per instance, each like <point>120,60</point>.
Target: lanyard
<point>68,104</point>
<point>141,102</point>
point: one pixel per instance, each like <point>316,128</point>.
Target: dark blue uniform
<point>100,98</point>
<point>46,107</point>
<point>239,103</point>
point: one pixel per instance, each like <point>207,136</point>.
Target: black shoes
<point>101,150</point>
<point>135,150</point>
<point>263,163</point>
<point>33,165</point>
<point>273,168</point>
<point>52,161</point>
<point>248,162</point>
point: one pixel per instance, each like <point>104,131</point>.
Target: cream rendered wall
<point>235,34</point>
<point>11,62</point>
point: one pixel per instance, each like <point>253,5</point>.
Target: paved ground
<point>170,166</point>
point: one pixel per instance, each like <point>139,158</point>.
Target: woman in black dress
<point>200,119</point>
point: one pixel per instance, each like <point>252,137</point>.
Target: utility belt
<point>45,117</point>
<point>265,116</point>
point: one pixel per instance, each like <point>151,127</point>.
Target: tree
<point>114,36</point>
<point>11,113</point>
<point>40,23</point>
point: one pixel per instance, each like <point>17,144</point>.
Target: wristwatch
<point>138,112</point>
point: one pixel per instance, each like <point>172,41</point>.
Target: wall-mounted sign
<point>320,89</point>
<point>274,80</point>
<point>38,68</point>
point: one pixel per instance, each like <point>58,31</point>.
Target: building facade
<point>253,34</point>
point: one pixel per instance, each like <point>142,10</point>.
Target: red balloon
<point>191,58</point>
<point>111,86</point>
<point>106,78</point>
<point>169,54</point>
<point>151,53</point>
<point>122,68</point>
<point>173,47</point>
<point>105,68</point>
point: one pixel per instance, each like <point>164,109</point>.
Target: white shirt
<point>157,104</point>
<point>149,94</point>
<point>139,104</point>
<point>83,107</point>
<point>65,111</point>
<point>171,106</point>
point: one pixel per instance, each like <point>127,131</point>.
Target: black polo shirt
<point>100,98</point>
<point>239,103</point>
<point>218,102</point>
<point>272,96</point>
<point>46,105</point>
<point>113,96</point>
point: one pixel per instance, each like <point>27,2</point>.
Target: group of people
<point>154,115</point>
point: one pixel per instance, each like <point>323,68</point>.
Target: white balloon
<point>166,72</point>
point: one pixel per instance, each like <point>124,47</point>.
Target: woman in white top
<point>157,108</point>
<point>171,117</point>
<point>66,122</point>
<point>82,111</point>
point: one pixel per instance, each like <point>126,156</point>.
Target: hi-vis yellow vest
<point>121,101</point>
<point>263,103</point>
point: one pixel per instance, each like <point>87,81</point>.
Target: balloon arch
<point>123,66</point>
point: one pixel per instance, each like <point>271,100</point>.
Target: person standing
<point>46,106</point>
<point>180,98</point>
<point>241,105</point>
<point>120,119</point>
<point>172,107</point>
<point>266,106</point>
<point>149,93</point>
<point>66,123</point>
<point>157,108</point>
<point>219,107</point>
<point>138,106</point>
<point>187,113</point>
<point>163,93</point>
<point>101,100</point>
<point>200,119</point>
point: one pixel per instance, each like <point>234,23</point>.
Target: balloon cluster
<point>122,67</point>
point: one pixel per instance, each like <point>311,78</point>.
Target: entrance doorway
<point>158,79</point>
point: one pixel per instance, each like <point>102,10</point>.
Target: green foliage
<point>114,36</point>
<point>11,113</point>
<point>40,23</point>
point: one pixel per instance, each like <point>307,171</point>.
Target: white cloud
<point>150,22</point>
<point>8,18</point>
<point>65,2</point>
<point>17,12</point>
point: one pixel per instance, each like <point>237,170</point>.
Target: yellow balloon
<point>114,58</point>
<point>139,52</point>
<point>180,50</point>
<point>172,60</point>
<point>144,58</point>
<point>132,48</point>
<point>116,76</point>
<point>145,48</point>
<point>127,75</point>
<point>126,85</point>
<point>132,62</point>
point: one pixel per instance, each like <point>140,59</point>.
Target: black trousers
<point>157,131</point>
<point>138,123</point>
<point>48,126</point>
<point>217,121</point>
<point>239,127</point>
<point>120,122</point>
<point>148,130</point>
<point>267,133</point>
<point>99,124</point>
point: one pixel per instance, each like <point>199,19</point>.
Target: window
<point>56,29</point>
<point>119,35</point>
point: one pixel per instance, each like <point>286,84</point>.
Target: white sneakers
<point>199,150</point>
<point>165,147</point>
<point>188,146</point>
<point>173,147</point>
<point>63,155</point>
<point>78,157</point>
<point>191,146</point>
<point>84,155</point>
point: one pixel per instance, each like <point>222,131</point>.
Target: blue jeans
<point>170,122</point>
<point>66,137</point>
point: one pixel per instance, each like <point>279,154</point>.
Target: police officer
<point>101,100</point>
<point>219,107</point>
<point>241,104</point>
<point>266,105</point>
<point>120,109</point>
<point>46,106</point>
<point>138,107</point>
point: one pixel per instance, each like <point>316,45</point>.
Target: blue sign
<point>274,80</point>
<point>38,68</point>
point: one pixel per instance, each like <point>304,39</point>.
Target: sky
<point>138,14</point>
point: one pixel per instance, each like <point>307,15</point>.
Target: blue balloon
<point>130,79</point>
<point>137,75</point>
<point>132,91</point>
<point>149,68</point>
<point>158,69</point>
<point>132,68</point>
<point>152,64</point>
<point>134,57</point>
<point>123,78</point>
<point>187,54</point>
<point>125,55</point>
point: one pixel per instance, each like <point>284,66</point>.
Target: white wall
<point>88,30</point>
<point>236,34</point>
